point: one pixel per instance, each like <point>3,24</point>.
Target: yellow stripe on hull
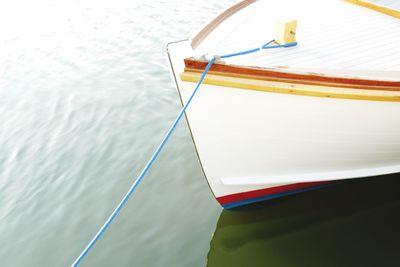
<point>294,89</point>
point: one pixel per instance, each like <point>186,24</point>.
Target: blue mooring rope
<point>161,146</point>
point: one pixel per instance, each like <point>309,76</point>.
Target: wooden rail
<point>196,41</point>
<point>193,65</point>
<point>379,8</point>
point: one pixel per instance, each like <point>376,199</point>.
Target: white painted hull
<point>249,141</point>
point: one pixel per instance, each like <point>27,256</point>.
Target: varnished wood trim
<point>258,86</point>
<point>218,20</point>
<point>379,8</point>
<point>294,81</point>
<point>271,75</point>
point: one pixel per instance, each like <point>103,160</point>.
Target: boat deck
<point>341,39</point>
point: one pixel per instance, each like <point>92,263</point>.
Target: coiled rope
<point>162,144</point>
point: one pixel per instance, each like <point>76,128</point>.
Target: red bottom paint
<point>265,192</point>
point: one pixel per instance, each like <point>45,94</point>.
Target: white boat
<point>281,121</point>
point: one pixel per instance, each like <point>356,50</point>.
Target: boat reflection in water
<point>351,223</point>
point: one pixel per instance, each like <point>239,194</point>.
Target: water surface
<point>352,223</point>
<point>85,97</point>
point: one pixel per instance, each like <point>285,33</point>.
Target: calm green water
<point>85,97</point>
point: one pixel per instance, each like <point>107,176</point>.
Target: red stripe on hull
<point>265,192</point>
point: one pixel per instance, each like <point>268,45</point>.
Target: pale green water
<point>85,97</point>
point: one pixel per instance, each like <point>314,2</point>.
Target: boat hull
<point>254,145</point>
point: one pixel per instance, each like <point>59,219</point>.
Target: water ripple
<point>85,96</point>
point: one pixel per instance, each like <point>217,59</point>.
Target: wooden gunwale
<point>266,86</point>
<point>376,7</point>
<point>196,41</point>
<point>310,79</point>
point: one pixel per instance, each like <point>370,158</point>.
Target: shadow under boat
<point>349,223</point>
